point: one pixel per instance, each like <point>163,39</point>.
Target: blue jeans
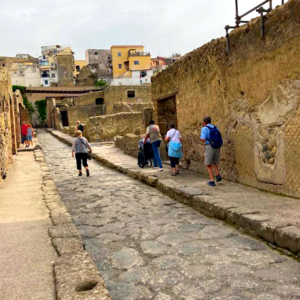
<point>156,156</point>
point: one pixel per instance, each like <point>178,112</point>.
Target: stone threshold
<point>278,233</point>
<point>76,274</point>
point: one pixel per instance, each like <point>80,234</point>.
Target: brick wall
<point>252,95</point>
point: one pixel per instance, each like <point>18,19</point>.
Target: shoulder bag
<point>89,155</point>
<point>167,145</point>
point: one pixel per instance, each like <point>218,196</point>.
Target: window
<point>136,62</point>
<point>46,82</point>
<point>120,66</point>
<point>21,72</point>
<point>96,53</point>
<point>44,57</point>
<point>78,68</point>
<point>99,101</point>
<point>53,75</point>
<point>119,54</point>
<point>52,64</point>
<point>130,94</point>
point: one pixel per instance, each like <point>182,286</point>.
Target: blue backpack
<point>215,137</point>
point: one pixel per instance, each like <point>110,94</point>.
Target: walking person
<point>80,150</point>
<point>30,134</point>
<point>79,126</point>
<point>24,133</point>
<point>212,138</point>
<point>174,140</point>
<point>153,133</point>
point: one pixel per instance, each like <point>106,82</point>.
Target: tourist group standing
<point>27,133</point>
<point>210,136</point>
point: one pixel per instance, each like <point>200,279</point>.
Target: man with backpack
<point>212,138</point>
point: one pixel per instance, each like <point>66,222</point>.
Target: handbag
<point>89,153</point>
<point>166,147</point>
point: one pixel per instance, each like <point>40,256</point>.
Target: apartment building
<point>131,65</point>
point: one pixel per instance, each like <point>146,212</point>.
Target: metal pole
<point>262,22</point>
<point>237,18</point>
<point>271,6</point>
<point>253,9</point>
<point>237,8</point>
<point>227,39</point>
<point>282,2</point>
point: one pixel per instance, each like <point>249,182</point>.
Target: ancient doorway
<point>167,113</point>
<point>64,118</point>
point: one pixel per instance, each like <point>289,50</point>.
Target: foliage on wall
<point>41,108</point>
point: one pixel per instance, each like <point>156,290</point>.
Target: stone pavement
<point>147,246</point>
<point>26,252</point>
<point>274,218</point>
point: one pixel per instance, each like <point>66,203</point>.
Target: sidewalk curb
<point>279,234</point>
<point>76,274</point>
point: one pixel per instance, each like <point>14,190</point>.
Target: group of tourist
<point>210,136</point>
<point>27,133</point>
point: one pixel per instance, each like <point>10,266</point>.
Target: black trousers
<point>81,157</point>
<point>174,161</point>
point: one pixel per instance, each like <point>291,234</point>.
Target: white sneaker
<point>160,169</point>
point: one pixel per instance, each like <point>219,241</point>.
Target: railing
<point>259,8</point>
<point>138,53</point>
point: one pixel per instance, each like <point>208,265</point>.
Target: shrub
<point>101,83</point>
<point>19,87</point>
<point>41,107</point>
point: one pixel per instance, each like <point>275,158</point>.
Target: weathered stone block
<point>67,245</point>
<point>77,277</point>
<point>252,222</point>
<point>63,231</point>
<point>288,238</point>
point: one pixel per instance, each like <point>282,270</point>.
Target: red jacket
<point>24,129</point>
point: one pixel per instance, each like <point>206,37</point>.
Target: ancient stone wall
<point>108,126</point>
<point>115,94</point>
<point>88,76</point>
<point>252,95</point>
<point>124,107</point>
<point>89,98</point>
<point>65,70</point>
<point>83,113</point>
<point>7,123</point>
<point>129,143</point>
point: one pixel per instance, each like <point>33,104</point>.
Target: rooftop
<point>126,46</point>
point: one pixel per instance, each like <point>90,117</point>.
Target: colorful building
<point>130,65</point>
<point>79,64</point>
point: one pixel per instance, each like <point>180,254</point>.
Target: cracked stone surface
<point>147,246</point>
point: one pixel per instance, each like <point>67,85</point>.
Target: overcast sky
<point>162,26</point>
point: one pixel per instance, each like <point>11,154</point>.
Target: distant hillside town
<point>57,67</point>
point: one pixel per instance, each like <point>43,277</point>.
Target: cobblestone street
<point>148,246</point>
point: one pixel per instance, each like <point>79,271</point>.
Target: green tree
<point>41,108</point>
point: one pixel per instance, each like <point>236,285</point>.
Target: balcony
<point>138,53</point>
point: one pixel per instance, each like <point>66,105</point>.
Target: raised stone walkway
<point>274,218</point>
<point>26,252</point>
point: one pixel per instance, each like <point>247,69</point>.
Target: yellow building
<point>79,64</point>
<point>126,59</point>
